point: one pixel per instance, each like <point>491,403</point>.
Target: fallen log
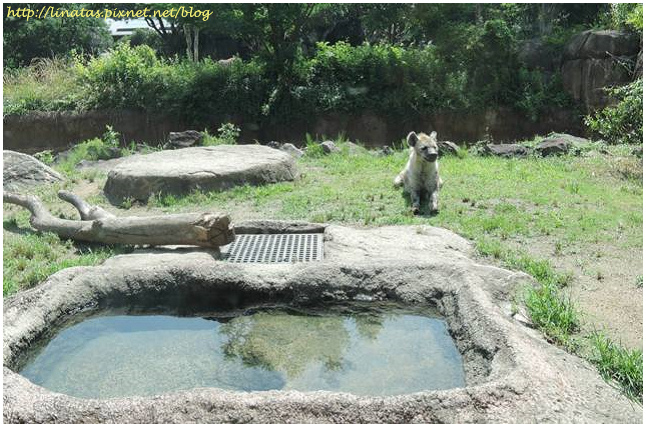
<point>100,226</point>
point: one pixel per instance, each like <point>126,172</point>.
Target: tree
<point>25,39</point>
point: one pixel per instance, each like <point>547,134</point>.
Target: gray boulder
<point>180,172</point>
<point>185,139</point>
<point>506,150</point>
<point>447,147</point>
<point>330,147</point>
<point>590,64</point>
<point>292,150</point>
<point>601,44</point>
<point>22,171</point>
<point>274,144</point>
<point>553,146</point>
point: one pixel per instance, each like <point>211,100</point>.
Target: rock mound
<point>591,63</point>
<point>21,171</point>
<point>182,171</point>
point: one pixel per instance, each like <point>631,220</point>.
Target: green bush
<point>621,123</point>
<point>380,78</point>
<point>395,81</point>
<point>132,77</point>
<point>239,89</point>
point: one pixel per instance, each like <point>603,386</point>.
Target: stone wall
<point>57,131</point>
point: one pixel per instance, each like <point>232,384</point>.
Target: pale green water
<point>368,353</point>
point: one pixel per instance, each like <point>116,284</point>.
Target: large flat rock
<point>180,172</point>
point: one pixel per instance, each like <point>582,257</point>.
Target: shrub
<point>621,123</point>
<point>46,85</point>
<point>381,78</point>
<point>132,77</point>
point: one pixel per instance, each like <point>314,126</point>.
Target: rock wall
<point>593,60</point>
<point>57,131</point>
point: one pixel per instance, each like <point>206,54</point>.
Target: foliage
<point>619,365</point>
<point>381,78</point>
<point>399,59</point>
<point>228,134</point>
<point>103,148</point>
<point>625,16</point>
<point>46,85</point>
<point>27,39</point>
<point>621,123</point>
<point>130,77</point>
<point>553,313</point>
<point>145,36</point>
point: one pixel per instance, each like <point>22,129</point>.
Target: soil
<point>604,287</point>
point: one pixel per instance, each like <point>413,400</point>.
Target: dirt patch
<point>604,285</point>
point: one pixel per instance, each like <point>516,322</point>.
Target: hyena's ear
<point>433,135</point>
<point>412,139</point>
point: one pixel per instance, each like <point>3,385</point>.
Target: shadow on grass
<point>424,208</point>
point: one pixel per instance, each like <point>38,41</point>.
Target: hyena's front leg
<point>433,203</point>
<point>415,197</point>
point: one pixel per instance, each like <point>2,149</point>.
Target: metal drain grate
<point>275,248</point>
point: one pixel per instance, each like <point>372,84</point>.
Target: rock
<point>601,44</point>
<point>103,165</point>
<point>386,150</point>
<point>552,146</point>
<point>591,64</point>
<point>513,375</point>
<point>506,150</point>
<point>639,66</point>
<point>292,150</point>
<point>447,147</point>
<point>274,144</point>
<point>330,147</point>
<point>638,151</point>
<point>22,171</point>
<point>353,148</point>
<point>185,139</point>
<point>181,171</point>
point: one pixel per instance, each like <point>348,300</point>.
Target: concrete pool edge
<point>512,374</point>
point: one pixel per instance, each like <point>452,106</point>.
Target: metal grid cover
<point>274,248</point>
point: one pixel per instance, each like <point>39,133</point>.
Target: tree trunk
<point>98,225</point>
<point>187,35</point>
<point>196,44</point>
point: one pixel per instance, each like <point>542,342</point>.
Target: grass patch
<point>620,366</point>
<point>31,258</point>
<point>46,85</point>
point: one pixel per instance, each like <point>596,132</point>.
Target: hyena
<point>421,174</point>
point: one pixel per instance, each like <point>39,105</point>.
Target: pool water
<point>371,351</point>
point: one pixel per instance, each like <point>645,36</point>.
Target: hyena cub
<point>421,174</point>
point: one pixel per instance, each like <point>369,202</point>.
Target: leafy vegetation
<point>294,60</point>
<point>621,123</point>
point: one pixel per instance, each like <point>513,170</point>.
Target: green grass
<point>32,257</point>
<point>482,197</point>
<point>620,366</point>
<point>47,85</point>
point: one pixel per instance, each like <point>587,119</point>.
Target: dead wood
<point>98,225</point>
